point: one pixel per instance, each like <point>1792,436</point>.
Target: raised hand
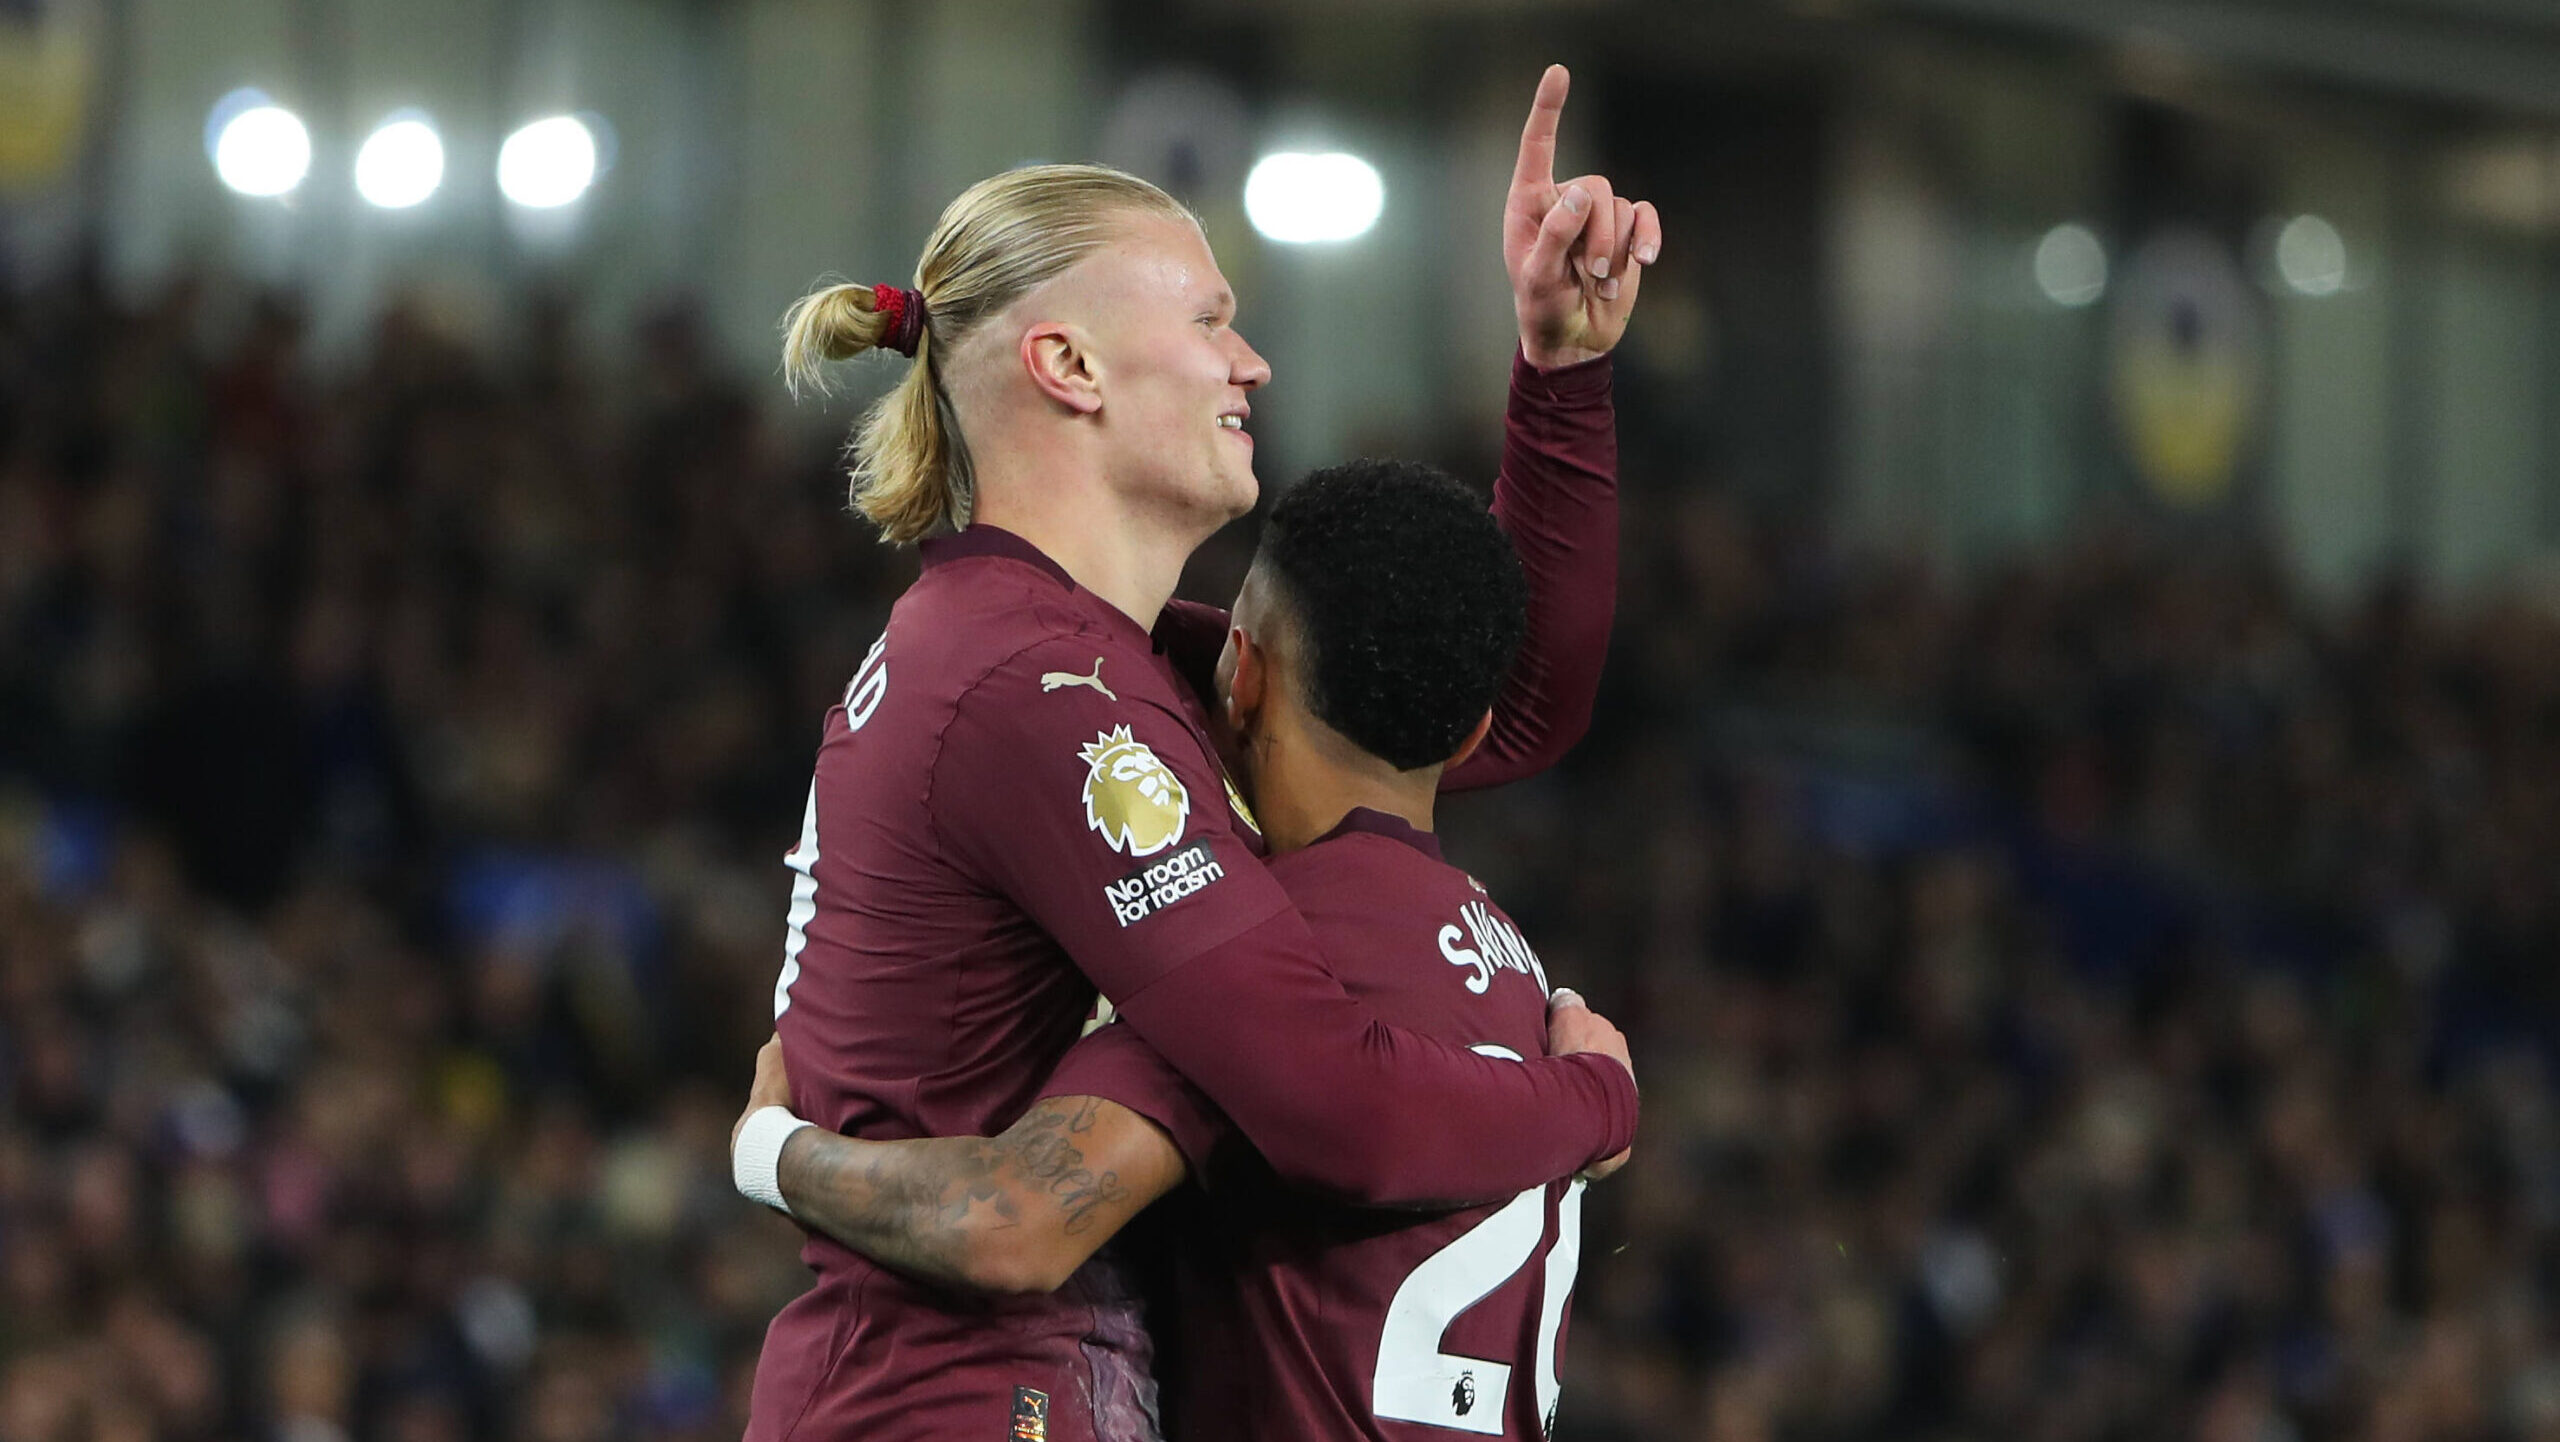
<point>1576,251</point>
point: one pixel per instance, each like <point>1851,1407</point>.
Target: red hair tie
<point>905,311</point>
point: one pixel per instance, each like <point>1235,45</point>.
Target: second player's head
<point>1076,346</point>
<point>1385,606</point>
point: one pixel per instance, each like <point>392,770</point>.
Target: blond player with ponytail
<point>1001,240</point>
<point>1019,801</point>
<point>912,475</point>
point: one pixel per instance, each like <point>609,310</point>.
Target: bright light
<point>261,150</point>
<point>2311,256</point>
<point>548,163</point>
<point>401,163</point>
<point>2071,266</point>
<point>1296,198</point>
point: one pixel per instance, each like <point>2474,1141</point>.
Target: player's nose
<point>1248,369</point>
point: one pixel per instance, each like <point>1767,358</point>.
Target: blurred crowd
<point>2098,999</point>
<point>2111,1000</point>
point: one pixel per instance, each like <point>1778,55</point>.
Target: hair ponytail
<point>909,476</point>
<point>1002,238</point>
<point>910,471</point>
<point>833,324</point>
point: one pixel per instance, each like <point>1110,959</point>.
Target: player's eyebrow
<point>1222,304</point>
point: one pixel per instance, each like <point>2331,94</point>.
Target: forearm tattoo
<point>916,1205</point>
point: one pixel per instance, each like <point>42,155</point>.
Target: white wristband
<point>756,1161</point>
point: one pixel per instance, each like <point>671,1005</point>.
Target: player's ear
<point>1250,685</point>
<point>1475,738</point>
<point>1059,359</point>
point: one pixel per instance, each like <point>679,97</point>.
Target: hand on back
<point>1572,1026</point>
<point>772,1087</point>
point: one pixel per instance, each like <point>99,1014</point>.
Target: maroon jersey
<point>1017,802</point>
<point>1303,1318</point>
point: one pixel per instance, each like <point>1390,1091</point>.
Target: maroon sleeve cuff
<point>1582,383</point>
<point>1618,1086</point>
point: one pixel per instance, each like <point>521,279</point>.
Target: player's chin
<point>1237,490</point>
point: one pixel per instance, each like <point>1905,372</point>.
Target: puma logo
<point>1055,679</point>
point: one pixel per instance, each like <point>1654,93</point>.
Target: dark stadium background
<point>2072,830</point>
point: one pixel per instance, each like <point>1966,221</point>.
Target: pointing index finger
<point>1538,138</point>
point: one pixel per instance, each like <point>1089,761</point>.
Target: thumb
<point>1565,996</point>
<point>1557,233</point>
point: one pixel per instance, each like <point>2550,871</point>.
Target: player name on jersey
<point>1499,946</point>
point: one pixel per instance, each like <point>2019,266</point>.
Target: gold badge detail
<point>1235,799</point>
<point>1133,799</point>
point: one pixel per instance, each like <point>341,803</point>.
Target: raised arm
<point>1557,498</point>
<point>1576,254</point>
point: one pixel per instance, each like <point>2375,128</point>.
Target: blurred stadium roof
<point>2503,53</point>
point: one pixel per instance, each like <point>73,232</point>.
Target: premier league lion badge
<point>1133,799</point>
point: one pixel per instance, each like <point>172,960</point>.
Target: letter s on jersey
<point>1458,955</point>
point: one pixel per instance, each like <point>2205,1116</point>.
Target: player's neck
<point>1132,561</point>
<point>1307,778</point>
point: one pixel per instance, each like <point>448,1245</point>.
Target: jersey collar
<point>990,541</point>
<point>1379,823</point>
<point>986,540</point>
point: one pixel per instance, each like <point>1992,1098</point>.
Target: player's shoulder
<point>1000,624</point>
<point>1080,713</point>
<point>1371,853</point>
<point>1000,649</point>
<point>1066,681</point>
<point>1359,879</point>
<point>987,612</point>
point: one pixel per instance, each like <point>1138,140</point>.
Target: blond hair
<point>1004,237</point>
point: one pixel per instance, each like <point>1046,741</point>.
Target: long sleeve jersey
<point>1017,804</point>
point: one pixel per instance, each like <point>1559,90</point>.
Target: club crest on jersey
<point>1134,800</point>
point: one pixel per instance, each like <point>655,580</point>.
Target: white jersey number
<point>861,698</point>
<point>1416,1381</point>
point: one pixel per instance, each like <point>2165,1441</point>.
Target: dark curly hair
<point>1408,602</point>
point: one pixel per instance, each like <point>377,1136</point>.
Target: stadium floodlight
<point>2071,266</point>
<point>548,163</point>
<point>1300,199</point>
<point>259,147</point>
<point>401,163</point>
<point>2311,257</point>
